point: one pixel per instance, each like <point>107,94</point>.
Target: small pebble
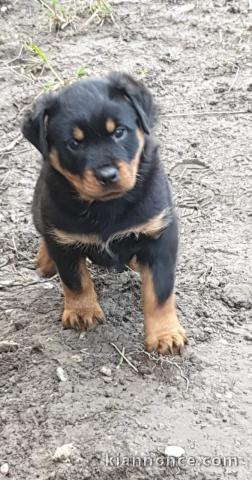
<point>238,295</point>
<point>4,469</point>
<point>77,358</point>
<point>106,371</point>
<point>208,330</point>
<point>63,452</point>
<point>174,451</point>
<point>229,395</point>
<point>61,374</point>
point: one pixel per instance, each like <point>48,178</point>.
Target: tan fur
<point>133,265</point>
<point>65,238</point>
<point>110,125</point>
<point>86,186</point>
<point>89,188</point>
<point>152,228</point>
<point>78,134</point>
<point>82,310</point>
<point>43,261</point>
<point>128,171</point>
<point>163,331</point>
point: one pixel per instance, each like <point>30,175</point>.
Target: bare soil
<point>195,57</point>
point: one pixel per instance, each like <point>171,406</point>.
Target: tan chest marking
<point>152,228</point>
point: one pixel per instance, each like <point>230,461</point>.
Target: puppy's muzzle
<point>107,175</point>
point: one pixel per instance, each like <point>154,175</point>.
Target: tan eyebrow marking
<point>110,125</point>
<point>78,134</point>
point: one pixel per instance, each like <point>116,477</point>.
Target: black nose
<point>107,174</point>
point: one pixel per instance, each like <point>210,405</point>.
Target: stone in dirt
<point>106,371</point>
<point>64,452</point>
<point>61,374</point>
<point>238,295</point>
<point>174,451</point>
<point>4,469</point>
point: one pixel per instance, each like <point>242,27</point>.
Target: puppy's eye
<point>120,133</point>
<point>73,144</point>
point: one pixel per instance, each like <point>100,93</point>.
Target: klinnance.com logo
<point>171,462</point>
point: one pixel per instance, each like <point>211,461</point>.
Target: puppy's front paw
<point>83,318</point>
<point>168,340</point>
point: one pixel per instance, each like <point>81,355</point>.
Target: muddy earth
<point>61,388</point>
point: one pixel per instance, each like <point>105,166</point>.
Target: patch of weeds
<point>56,81</point>
<point>101,11</point>
<point>142,72</point>
<point>37,53</point>
<point>60,15</point>
<point>80,72</point>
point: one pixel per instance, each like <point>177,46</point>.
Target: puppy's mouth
<point>111,195</point>
<point>104,193</point>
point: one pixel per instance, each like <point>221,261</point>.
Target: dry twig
<point>206,114</point>
<point>124,357</point>
<point>162,359</point>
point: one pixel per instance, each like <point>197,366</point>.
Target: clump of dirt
<point>114,420</point>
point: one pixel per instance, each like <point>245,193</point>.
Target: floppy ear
<point>35,122</point>
<point>138,95</point>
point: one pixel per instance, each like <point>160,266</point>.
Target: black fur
<point>88,104</point>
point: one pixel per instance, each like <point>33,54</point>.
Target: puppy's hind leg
<point>43,262</point>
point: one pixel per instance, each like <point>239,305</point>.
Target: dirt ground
<point>195,57</point>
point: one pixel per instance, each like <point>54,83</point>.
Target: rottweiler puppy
<point>102,194</point>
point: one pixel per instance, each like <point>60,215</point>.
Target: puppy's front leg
<point>81,307</point>
<point>163,331</point>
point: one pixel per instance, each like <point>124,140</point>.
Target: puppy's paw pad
<point>169,341</point>
<point>82,319</point>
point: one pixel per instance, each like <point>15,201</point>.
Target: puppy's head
<point>92,133</point>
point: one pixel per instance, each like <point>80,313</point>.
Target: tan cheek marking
<point>163,331</point>
<point>87,186</point>
<point>78,134</point>
<point>91,185</point>
<point>110,125</point>
<point>74,180</point>
<point>128,171</point>
<point>54,160</point>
